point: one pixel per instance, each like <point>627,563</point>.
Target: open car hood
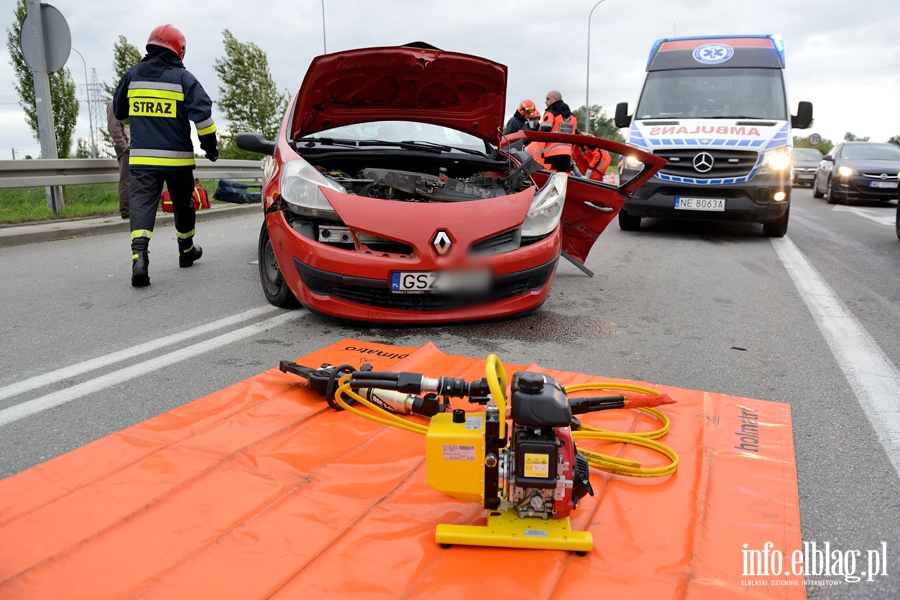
<point>415,82</point>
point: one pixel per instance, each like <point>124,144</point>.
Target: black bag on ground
<point>237,192</point>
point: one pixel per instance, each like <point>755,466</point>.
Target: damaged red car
<point>391,196</point>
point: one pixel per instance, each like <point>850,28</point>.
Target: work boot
<point>140,268</point>
<point>188,253</point>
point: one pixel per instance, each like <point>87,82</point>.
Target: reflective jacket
<point>158,98</point>
<point>591,162</point>
<point>558,119</point>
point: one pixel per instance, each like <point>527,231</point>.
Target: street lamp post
<point>324,46</point>
<point>587,93</point>
<point>87,93</point>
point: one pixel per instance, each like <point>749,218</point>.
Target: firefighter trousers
<point>146,189</point>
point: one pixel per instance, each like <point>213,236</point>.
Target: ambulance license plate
<point>710,204</point>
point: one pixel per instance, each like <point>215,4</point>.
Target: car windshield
<point>871,152</point>
<point>719,93</point>
<point>402,131</point>
<point>806,155</point>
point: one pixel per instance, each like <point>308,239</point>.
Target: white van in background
<point>716,108</point>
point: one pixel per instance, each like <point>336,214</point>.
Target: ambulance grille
<point>726,163</point>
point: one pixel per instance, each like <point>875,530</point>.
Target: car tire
<point>830,193</point>
<point>897,224</point>
<point>273,284</point>
<point>628,222</point>
<point>816,192</point>
<point>778,228</point>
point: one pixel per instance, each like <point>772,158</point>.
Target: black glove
<point>212,155</point>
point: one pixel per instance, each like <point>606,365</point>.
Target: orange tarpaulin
<point>260,490</point>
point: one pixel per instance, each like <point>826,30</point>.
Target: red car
<point>392,197</point>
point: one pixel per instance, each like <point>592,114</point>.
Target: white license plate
<point>428,282</point>
<point>883,184</point>
<point>712,204</point>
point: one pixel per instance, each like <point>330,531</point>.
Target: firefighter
<point>158,98</point>
<point>526,111</point>
<point>557,119</point>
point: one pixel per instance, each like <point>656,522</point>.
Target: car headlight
<point>777,160</point>
<point>845,171</point>
<point>300,187</point>
<point>546,207</point>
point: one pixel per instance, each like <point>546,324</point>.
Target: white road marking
<point>861,212</point>
<point>102,361</point>
<point>20,411</point>
<point>872,377</point>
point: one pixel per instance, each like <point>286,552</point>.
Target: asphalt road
<point>812,320</point>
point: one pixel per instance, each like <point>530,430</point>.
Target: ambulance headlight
<point>778,160</point>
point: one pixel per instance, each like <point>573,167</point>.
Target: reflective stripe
<point>188,250</point>
<point>154,153</point>
<point>205,123</point>
<point>153,107</point>
<point>155,85</point>
<point>134,256</point>
<point>185,236</point>
<point>141,233</point>
<point>145,93</point>
<point>207,130</point>
<point>161,162</point>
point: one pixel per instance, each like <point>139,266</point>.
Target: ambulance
<point>716,108</point>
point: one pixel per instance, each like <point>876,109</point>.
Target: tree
<point>62,90</point>
<point>851,137</point>
<point>894,140</point>
<point>601,125</point>
<point>125,56</point>
<point>82,150</point>
<point>248,96</point>
<point>825,147</point>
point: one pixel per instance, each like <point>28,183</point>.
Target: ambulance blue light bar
<point>775,39</point>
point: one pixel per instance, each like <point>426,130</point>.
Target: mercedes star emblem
<point>703,162</point>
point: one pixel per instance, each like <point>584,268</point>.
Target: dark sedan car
<point>804,162</point>
<point>858,171</point>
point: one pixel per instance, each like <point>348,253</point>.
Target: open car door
<point>590,205</point>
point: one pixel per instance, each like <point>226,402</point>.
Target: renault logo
<point>703,162</point>
<point>441,242</point>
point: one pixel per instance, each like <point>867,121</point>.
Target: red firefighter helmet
<point>168,36</point>
<point>527,108</point>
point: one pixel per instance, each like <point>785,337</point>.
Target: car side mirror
<point>804,117</point>
<point>622,119</point>
<point>828,157</point>
<point>255,142</point>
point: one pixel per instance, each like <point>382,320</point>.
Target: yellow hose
<point>496,379</point>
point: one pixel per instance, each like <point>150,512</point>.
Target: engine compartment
<point>424,179</point>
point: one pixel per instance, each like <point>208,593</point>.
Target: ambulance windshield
<point>720,93</point>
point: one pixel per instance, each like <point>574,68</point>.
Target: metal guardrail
<point>78,171</point>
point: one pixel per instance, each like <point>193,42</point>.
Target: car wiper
<point>445,148</point>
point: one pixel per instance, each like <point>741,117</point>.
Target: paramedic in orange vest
<point>557,119</point>
<point>591,162</point>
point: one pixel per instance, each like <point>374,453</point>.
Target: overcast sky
<point>844,57</point>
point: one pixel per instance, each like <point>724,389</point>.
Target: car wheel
<point>274,287</point>
<point>778,228</point>
<point>830,193</point>
<point>628,222</point>
<point>816,192</point>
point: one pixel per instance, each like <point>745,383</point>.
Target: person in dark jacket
<point>520,120</point>
<point>158,98</point>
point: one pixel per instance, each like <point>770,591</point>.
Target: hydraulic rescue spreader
<point>529,475</point>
